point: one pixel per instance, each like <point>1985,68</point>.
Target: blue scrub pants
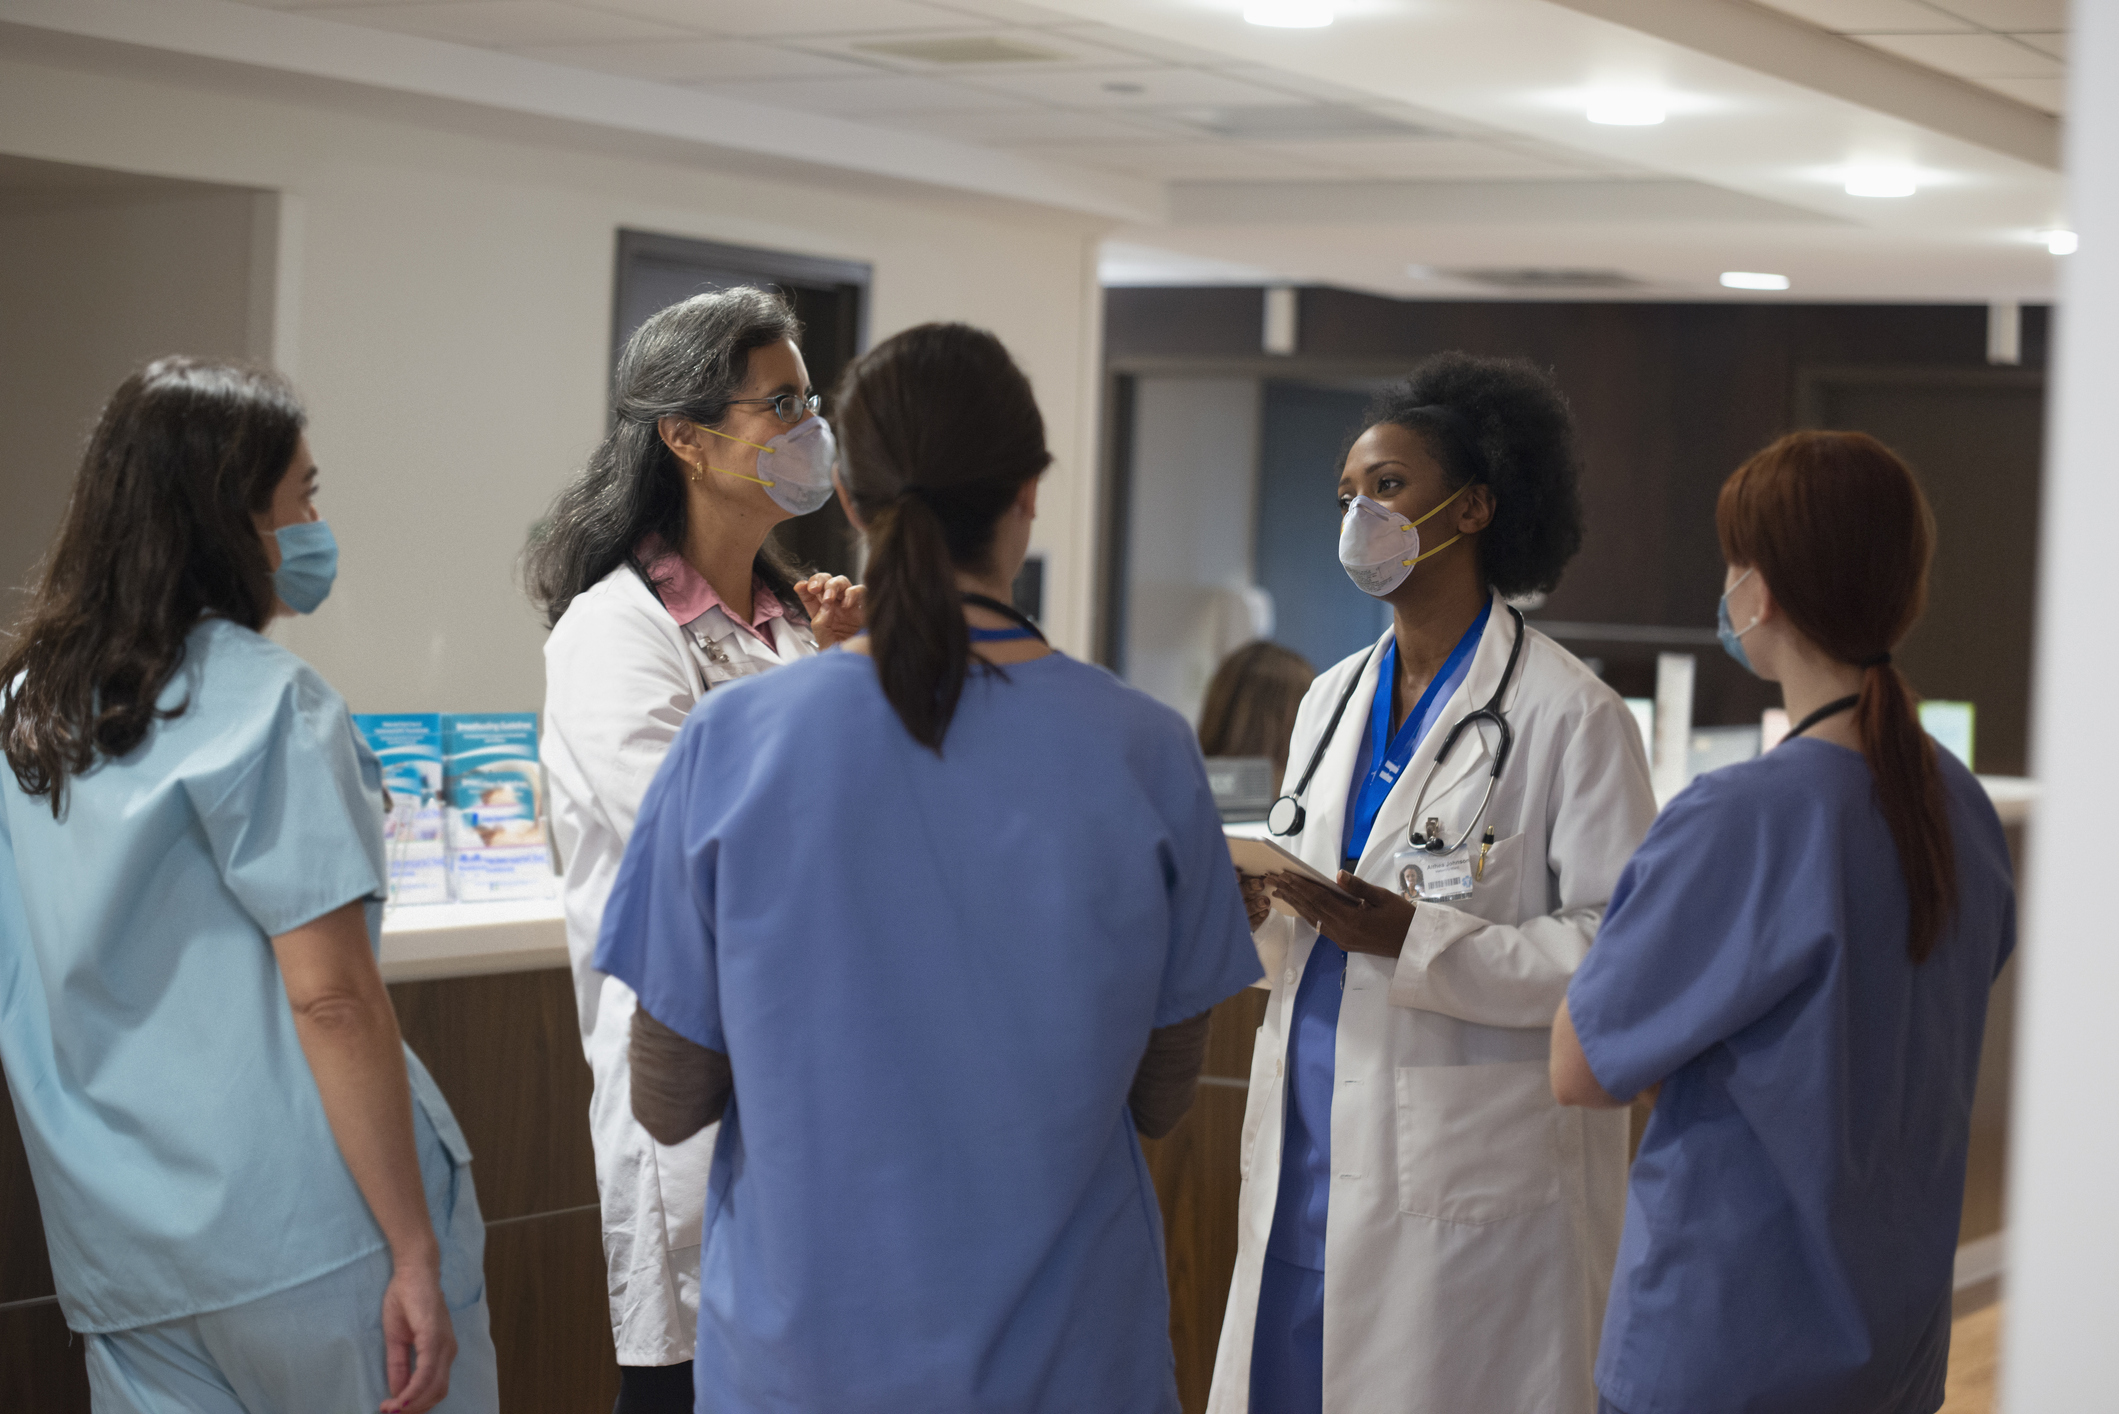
<point>1287,1346</point>
<point>317,1347</point>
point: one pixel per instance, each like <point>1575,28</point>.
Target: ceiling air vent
<point>1300,122</point>
<point>1558,281</point>
<point>963,49</point>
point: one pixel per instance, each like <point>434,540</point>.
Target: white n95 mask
<point>1378,547</point>
<point>794,466</point>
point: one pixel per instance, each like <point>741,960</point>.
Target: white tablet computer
<point>1255,857</point>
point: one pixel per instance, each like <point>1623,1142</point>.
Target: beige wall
<point>94,282</point>
<point>443,299</point>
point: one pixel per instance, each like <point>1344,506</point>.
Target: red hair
<point>1838,528</point>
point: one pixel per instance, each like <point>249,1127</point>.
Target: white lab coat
<point>1473,1222</point>
<point>620,677</point>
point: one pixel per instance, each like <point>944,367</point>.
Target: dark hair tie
<point>1881,660</point>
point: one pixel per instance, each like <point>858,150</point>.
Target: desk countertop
<point>425,941</point>
<point>429,940</point>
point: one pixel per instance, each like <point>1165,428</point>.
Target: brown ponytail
<point>1839,529</point>
<point>938,431</point>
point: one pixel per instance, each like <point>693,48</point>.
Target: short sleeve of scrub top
<point>1703,947</point>
<point>657,928</point>
<point>287,805</point>
<point>1204,910</point>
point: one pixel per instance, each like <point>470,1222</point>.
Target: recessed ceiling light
<point>2060,242</point>
<point>1753,280</point>
<point>1288,14</point>
<point>1881,183</point>
<point>1626,111</point>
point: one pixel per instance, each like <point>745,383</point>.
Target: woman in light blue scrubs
<point>1800,957</point>
<point>254,1196</point>
<point>950,907</point>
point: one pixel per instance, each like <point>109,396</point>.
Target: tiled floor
<point>1975,1341</point>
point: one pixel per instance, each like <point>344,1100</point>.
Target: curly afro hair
<point>1504,422</point>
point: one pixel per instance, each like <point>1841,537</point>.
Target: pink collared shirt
<point>686,594</point>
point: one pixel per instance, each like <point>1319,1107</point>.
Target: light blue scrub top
<point>1792,1218</point>
<point>174,1131</point>
<point>1303,1201</point>
<point>934,976</point>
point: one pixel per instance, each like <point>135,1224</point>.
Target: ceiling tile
<point>890,93</point>
<point>697,60</point>
<point>1971,56</point>
<point>2049,94</point>
<point>1872,16</point>
<point>1064,51</point>
<point>1179,161</point>
<point>2010,14</point>
<point>1134,88</point>
<point>496,24</point>
<point>792,19</point>
<point>2053,44</point>
<point>1015,128</point>
<point>317,4</point>
<point>1013,12</point>
<point>1147,46</point>
<point>1444,158</point>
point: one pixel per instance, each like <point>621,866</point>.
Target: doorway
<point>100,272</point>
<point>830,297</point>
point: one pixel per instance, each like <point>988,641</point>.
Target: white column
<point>2063,1276</point>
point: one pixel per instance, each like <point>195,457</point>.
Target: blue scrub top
<point>934,976</point>
<point>1792,1218</point>
<point>1302,1203</point>
<point>179,1148</point>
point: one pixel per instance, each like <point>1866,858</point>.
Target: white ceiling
<point>1409,142</point>
<point>2014,47</point>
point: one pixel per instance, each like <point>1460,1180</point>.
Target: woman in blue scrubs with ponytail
<point>1800,957</point>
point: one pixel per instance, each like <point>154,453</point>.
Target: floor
<point>1975,1340</point>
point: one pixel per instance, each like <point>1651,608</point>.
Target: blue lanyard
<point>1384,767</point>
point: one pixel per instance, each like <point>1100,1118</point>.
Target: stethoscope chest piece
<point>1286,817</point>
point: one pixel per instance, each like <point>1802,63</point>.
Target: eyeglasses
<point>787,407</point>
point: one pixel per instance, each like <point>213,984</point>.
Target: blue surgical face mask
<point>308,564</point>
<point>1732,641</point>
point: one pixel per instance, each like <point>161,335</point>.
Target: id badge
<point>1424,877</point>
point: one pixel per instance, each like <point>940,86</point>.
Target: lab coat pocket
<point>1475,1142</point>
<point>1495,891</point>
<point>680,1178</point>
<point>1258,1099</point>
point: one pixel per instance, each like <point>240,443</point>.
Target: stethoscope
<point>1431,837</point>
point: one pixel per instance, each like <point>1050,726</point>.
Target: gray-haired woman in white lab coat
<point>1421,1227</point>
<point>656,577</point>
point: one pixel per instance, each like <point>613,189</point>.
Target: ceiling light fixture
<point>1288,14</point>
<point>1881,182</point>
<point>1753,280</point>
<point>1626,111</point>
<point>2060,242</point>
